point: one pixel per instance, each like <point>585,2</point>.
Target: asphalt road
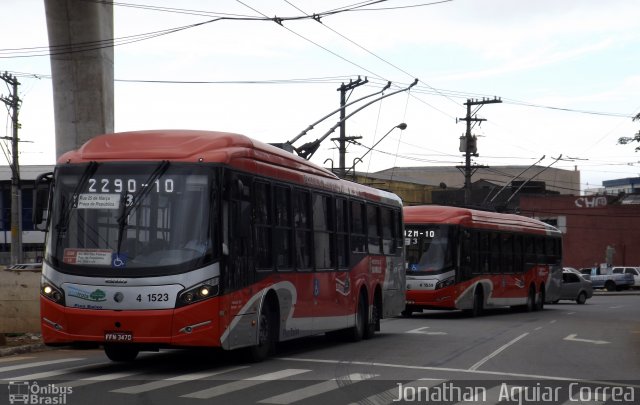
<point>566,354</point>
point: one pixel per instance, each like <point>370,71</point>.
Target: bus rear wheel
<point>357,331</point>
<point>121,352</point>
<point>266,334</point>
<point>373,324</point>
<point>541,297</point>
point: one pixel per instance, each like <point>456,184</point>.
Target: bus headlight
<point>202,291</point>
<point>445,283</point>
<point>51,291</point>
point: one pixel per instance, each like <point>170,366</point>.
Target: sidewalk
<point>22,343</point>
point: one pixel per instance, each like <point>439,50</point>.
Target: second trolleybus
<point>197,238</point>
<point>459,258</point>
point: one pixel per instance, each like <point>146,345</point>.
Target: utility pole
<point>342,139</point>
<point>13,102</point>
<point>468,143</point>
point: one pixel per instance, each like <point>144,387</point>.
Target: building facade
<point>597,229</point>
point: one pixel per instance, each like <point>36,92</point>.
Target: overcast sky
<point>566,71</point>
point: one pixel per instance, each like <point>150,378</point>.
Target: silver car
<point>575,287</point>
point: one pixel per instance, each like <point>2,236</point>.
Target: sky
<point>566,72</point>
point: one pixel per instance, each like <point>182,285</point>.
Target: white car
<point>629,270</point>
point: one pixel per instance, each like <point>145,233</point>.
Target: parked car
<point>635,271</point>
<point>575,287</point>
<point>603,278</point>
<point>571,269</point>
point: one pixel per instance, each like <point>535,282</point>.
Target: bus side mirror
<point>41,192</point>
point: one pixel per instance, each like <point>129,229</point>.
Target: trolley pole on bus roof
<point>468,143</point>
<point>13,102</point>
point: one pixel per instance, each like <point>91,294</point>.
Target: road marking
<point>553,321</point>
<point>573,338</point>
<point>99,378</point>
<point>617,306</point>
<point>38,364</point>
<point>168,382</point>
<point>53,373</point>
<point>569,313</point>
<point>242,384</point>
<point>370,364</point>
<point>538,328</point>
<point>496,352</point>
<point>392,395</point>
<point>317,389</point>
<point>423,331</point>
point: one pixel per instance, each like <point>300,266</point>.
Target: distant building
<point>629,185</point>
<point>591,225</point>
<point>555,180</point>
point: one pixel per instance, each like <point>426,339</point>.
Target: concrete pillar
<point>80,40</point>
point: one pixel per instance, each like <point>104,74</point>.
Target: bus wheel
<point>121,352</point>
<point>478,303</point>
<point>266,334</point>
<point>356,332</point>
<point>540,301</point>
<point>531,299</point>
<point>374,322</point>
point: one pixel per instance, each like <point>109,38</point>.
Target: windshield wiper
<point>67,207</point>
<point>137,199</point>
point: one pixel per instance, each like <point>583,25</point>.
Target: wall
<point>19,301</point>
<point>591,223</point>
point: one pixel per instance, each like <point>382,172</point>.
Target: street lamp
<point>402,126</point>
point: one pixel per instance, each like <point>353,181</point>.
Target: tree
<point>636,138</point>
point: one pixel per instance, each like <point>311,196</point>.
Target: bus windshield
<point>429,249</point>
<point>132,219</point>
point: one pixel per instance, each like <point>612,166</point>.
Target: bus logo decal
<point>95,296</point>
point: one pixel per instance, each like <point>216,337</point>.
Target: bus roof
<point>439,214</point>
<point>235,150</point>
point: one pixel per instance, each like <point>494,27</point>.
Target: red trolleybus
<point>194,238</point>
<point>459,258</point>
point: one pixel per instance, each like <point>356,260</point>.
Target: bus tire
<point>267,327</point>
<point>408,311</point>
<point>531,299</point>
<point>478,302</point>
<point>356,332</point>
<point>373,324</point>
<point>121,352</point>
<point>541,297</point>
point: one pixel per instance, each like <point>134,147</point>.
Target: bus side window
<point>283,232</point>
<point>518,254</point>
<point>373,229</point>
<point>323,226</point>
<point>483,253</point>
<point>388,242</point>
<point>263,235</point>
<point>342,233</point>
<point>494,245</point>
<point>466,252</point>
<point>303,232</point>
<point>358,238</point>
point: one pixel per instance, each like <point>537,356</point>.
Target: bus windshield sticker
<point>97,257</point>
<point>99,201</point>
<point>119,260</point>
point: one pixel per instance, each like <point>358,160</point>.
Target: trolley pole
<point>13,102</point>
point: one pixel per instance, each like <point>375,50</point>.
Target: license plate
<point>118,337</point>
